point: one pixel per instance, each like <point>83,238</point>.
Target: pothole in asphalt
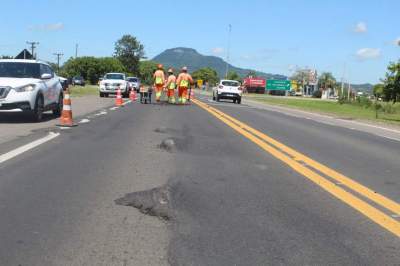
<point>168,145</point>
<point>154,202</point>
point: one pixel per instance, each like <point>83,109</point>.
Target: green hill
<point>180,56</point>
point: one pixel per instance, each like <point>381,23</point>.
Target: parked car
<point>64,83</point>
<point>78,81</point>
<point>228,89</point>
<point>111,83</point>
<point>29,86</point>
<point>134,83</point>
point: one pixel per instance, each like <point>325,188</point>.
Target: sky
<point>352,39</point>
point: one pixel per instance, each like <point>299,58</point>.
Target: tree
<point>232,75</point>
<point>206,74</point>
<point>391,89</point>
<point>146,71</point>
<point>129,51</point>
<point>91,68</point>
<point>326,81</point>
<point>301,76</point>
<point>6,57</point>
<point>378,90</point>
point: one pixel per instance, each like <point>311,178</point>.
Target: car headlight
<point>25,88</point>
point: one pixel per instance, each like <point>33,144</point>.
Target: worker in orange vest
<point>159,81</point>
<point>171,85</point>
<point>184,81</point>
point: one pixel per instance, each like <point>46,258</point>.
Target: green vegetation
<point>146,70</point>
<point>91,68</point>
<point>363,108</point>
<point>207,75</point>
<point>78,91</point>
<point>232,75</point>
<point>391,83</point>
<point>129,51</point>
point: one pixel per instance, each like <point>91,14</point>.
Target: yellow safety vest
<point>172,86</point>
<point>159,81</point>
<point>184,83</point>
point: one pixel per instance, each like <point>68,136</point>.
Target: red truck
<point>254,85</point>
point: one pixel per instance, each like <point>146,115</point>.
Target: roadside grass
<point>78,91</point>
<point>345,110</point>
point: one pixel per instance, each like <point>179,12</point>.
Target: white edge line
<point>11,154</point>
<point>125,103</point>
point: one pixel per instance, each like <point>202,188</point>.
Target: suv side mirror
<point>46,76</point>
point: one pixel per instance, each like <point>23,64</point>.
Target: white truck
<point>111,82</point>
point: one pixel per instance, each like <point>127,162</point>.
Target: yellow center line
<point>267,144</point>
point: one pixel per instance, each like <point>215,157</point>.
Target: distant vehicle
<point>134,83</point>
<point>254,85</point>
<point>111,82</point>
<point>78,81</point>
<point>64,83</point>
<point>29,86</point>
<point>228,89</point>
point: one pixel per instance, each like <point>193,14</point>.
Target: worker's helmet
<point>184,69</point>
<point>160,66</point>
<point>170,71</point>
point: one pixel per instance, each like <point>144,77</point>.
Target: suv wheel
<point>39,108</point>
<point>239,100</point>
<point>57,111</point>
<point>213,97</point>
<point>101,94</point>
<point>217,98</point>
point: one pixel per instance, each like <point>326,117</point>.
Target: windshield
<point>133,79</point>
<point>114,76</point>
<point>19,70</point>
<point>231,83</point>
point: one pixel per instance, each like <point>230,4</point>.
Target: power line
<point>33,47</point>
<point>58,60</point>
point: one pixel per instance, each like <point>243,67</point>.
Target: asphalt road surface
<point>232,198</point>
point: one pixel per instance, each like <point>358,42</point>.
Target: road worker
<point>184,81</point>
<point>159,81</point>
<point>171,85</point>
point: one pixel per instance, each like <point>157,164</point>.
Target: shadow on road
<point>18,118</point>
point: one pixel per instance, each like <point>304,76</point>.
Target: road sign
<point>278,85</point>
<point>199,83</point>
<point>294,85</point>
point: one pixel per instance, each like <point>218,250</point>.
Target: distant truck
<point>254,85</point>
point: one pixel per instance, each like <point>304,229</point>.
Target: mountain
<point>180,56</point>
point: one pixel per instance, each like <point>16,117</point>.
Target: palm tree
<point>326,81</point>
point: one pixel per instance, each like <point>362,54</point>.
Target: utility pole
<point>344,73</point>
<point>228,50</point>
<point>58,60</point>
<point>33,47</point>
<point>76,51</point>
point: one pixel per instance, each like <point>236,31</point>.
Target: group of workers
<point>171,83</point>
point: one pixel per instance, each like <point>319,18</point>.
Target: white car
<point>228,89</point>
<point>134,83</point>
<point>29,86</point>
<point>111,82</point>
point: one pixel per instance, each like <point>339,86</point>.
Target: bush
<point>317,94</point>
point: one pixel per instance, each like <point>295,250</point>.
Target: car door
<point>46,84</point>
<point>51,85</point>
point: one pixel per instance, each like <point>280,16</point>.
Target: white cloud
<point>368,53</point>
<point>217,50</point>
<point>47,27</point>
<point>361,27</point>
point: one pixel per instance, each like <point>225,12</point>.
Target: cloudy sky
<point>272,36</point>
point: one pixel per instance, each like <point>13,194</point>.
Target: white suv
<point>29,86</point>
<point>228,89</point>
<point>111,83</point>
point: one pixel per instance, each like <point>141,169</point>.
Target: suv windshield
<point>114,76</point>
<point>133,79</point>
<point>230,83</point>
<point>19,70</point>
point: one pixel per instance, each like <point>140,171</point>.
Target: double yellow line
<point>310,168</point>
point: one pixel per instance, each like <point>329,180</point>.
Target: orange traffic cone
<point>132,95</point>
<point>66,115</point>
<point>118,101</point>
